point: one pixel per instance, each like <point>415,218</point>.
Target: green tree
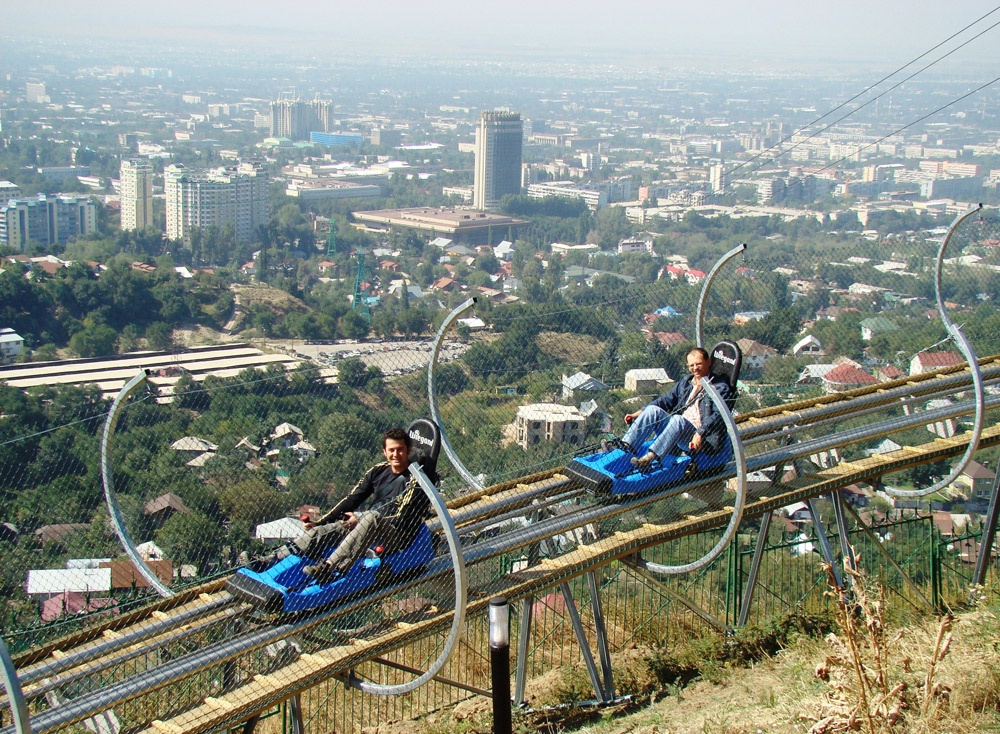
<point>94,340</point>
<point>191,538</point>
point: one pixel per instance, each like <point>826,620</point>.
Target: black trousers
<point>348,545</point>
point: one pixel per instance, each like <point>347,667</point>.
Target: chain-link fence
<point>218,470</point>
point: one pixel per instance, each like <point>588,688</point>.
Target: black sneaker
<point>321,573</point>
<point>610,444</point>
<point>644,463</point>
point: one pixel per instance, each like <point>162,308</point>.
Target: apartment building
<point>234,195</point>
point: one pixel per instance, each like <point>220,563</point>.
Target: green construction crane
<point>360,303</point>
<point>331,238</point>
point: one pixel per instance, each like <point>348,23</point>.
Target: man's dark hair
<point>697,350</point>
<point>397,434</point>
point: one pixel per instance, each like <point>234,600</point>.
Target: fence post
<point>500,664</point>
<point>935,566</point>
<point>733,590</point>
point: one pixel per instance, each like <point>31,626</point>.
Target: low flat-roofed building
<point>11,345</point>
<point>461,225</point>
<point>47,582</point>
<point>648,380</point>
<point>111,373</point>
<point>327,189</point>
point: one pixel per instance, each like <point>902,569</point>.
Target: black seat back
<point>425,439</point>
<point>726,362</point>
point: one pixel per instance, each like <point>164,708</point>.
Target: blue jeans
<point>672,430</point>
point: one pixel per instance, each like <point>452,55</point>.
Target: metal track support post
<point>295,714</point>
<point>523,640</point>
<point>846,550</point>
<point>15,696</point>
<point>603,651</point>
<point>824,542</point>
<point>758,554</point>
<point>989,535</point>
<point>581,638</point>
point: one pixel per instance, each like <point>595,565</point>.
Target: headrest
<point>726,362</point>
<point>425,439</point>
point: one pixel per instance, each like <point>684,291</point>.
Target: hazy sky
<point>859,30</point>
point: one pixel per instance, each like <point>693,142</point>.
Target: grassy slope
<point>779,693</point>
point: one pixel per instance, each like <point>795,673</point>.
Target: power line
<point>910,124</point>
<point>864,91</point>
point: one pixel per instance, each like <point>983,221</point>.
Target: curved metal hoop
<point>461,593</point>
<point>114,513</point>
<point>703,297</point>
<point>970,357</point>
<point>432,396</point>
<point>741,492</point>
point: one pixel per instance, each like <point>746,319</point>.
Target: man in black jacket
<point>397,508</point>
<point>685,416</point>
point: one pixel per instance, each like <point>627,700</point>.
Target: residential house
<point>59,532</point>
<point>648,380</point>
<point>124,575</point>
<point>929,361</point>
<point>694,277</point>
<point>978,481</point>
<point>580,382</point>
<point>889,372</point>
<point>745,317</point>
<point>812,374</point>
<point>549,422</point>
<point>670,271</point>
<point>445,285</point>
<point>193,444</point>
<point>876,325</point>
<point>755,353</point>
<point>490,294</point>
<point>504,251</point>
<point>11,345</point>
<point>279,531</point>
<point>846,377</point>
<point>636,244</point>
<point>161,508</point>
<point>808,346</point>
<point>285,435</point>
<point>203,450</point>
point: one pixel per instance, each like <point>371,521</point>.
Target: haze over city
<point>772,32</point>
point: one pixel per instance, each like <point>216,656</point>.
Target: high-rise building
<point>46,220</point>
<point>234,195</point>
<point>136,193</point>
<point>717,178</point>
<point>295,119</point>
<point>499,139</point>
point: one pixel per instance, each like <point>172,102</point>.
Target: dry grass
<point>574,349</point>
<point>937,676</point>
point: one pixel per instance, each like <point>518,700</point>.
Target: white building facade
<point>136,193</point>
<point>234,195</point>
